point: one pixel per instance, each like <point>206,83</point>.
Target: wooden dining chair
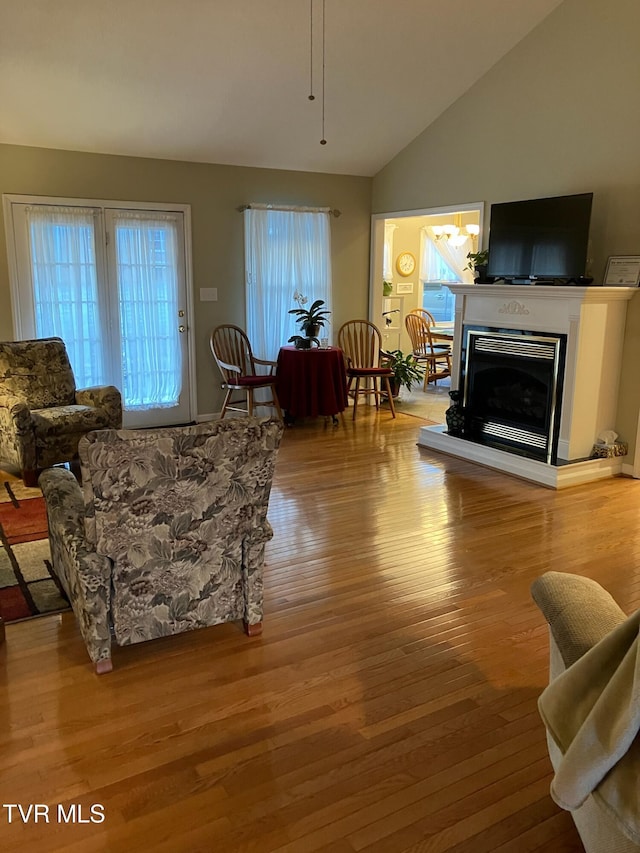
<point>232,352</point>
<point>435,357</point>
<point>361,343</point>
<point>428,316</point>
<point>422,312</point>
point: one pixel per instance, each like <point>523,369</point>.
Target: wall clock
<point>405,263</point>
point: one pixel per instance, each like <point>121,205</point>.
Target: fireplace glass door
<point>512,385</point>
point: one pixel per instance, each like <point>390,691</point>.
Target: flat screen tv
<point>542,238</point>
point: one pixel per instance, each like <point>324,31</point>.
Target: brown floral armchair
<point>169,534</point>
<point>42,415</point>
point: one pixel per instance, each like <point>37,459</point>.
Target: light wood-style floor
<point>390,704</point>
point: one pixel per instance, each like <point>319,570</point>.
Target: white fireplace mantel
<point>592,318</point>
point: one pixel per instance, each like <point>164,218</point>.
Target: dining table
<point>311,382</point>
<point>442,331</point>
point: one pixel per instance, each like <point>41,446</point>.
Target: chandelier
<point>457,235</point>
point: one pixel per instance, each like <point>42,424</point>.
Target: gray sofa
<point>583,618</point>
<point>168,531</point>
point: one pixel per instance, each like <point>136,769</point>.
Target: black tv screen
<point>543,238</point>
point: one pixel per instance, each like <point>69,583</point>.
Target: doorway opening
<point>414,255</point>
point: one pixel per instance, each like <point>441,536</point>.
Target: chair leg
<point>355,397</point>
<point>250,403</point>
<point>253,630</point>
<point>276,402</point>
<point>30,478</point>
<point>226,403</point>
<point>349,384</point>
<point>376,393</point>
<point>390,396</point>
<point>103,666</point>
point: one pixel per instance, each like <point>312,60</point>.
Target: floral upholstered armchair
<point>42,415</point>
<point>168,531</point>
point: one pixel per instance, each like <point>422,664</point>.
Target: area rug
<point>28,587</point>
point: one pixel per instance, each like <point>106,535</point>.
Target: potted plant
<point>406,370</point>
<point>478,264</point>
<point>311,320</point>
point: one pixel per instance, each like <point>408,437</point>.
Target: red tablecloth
<point>311,382</point>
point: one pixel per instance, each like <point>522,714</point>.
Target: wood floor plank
<point>389,705</point>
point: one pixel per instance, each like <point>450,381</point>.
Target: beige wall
<point>214,192</point>
<point>559,114</point>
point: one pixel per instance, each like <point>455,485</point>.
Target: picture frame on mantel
<point>622,271</point>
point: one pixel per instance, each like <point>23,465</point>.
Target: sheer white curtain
<point>285,251</point>
<point>146,248</point>
<point>65,286</point>
<point>387,258</point>
<point>434,251</point>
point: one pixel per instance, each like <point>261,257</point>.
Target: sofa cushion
<point>38,372</point>
<point>62,420</point>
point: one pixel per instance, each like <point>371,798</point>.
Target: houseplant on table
<point>311,320</point>
<point>406,370</point>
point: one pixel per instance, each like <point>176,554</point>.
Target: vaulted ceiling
<point>227,81</point>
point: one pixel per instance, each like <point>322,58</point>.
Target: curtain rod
<point>330,210</point>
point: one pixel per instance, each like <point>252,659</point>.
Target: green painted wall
<point>214,192</point>
<point>559,114</point>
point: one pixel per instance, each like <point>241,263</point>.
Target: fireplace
<point>512,388</point>
<point>536,412</point>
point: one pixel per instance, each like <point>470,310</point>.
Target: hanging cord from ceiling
<point>311,96</point>
<point>323,141</point>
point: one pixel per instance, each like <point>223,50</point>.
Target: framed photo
<point>622,271</point>
<point>404,287</point>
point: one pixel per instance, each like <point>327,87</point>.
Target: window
<point>440,263</point>
<point>111,282</point>
<point>285,251</point>
<point>66,302</point>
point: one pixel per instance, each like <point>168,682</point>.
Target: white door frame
<point>377,245</point>
<point>185,209</point>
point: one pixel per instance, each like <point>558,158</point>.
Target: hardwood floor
<point>390,704</point>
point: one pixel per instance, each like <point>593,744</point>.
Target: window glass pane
<point>286,252</point>
<point>65,288</point>
<point>438,301</point>
<point>147,269</point>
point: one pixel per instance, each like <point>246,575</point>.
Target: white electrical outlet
<point>208,294</point>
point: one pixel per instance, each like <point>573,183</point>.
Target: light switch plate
<point>208,294</point>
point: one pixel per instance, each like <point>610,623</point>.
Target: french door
<point>111,281</point>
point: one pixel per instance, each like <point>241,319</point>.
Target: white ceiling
<point>226,81</point>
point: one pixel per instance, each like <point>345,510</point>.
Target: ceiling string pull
<point>323,141</point>
<point>312,97</point>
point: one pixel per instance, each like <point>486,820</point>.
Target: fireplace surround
<point>578,329</point>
